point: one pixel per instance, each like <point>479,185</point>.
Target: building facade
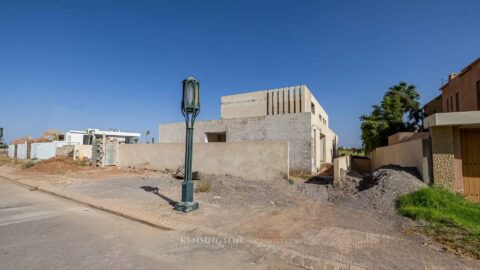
<point>455,132</point>
<point>86,137</point>
<point>285,114</point>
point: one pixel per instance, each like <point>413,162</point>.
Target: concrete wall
<point>82,152</point>
<point>37,150</point>
<point>244,105</point>
<point>400,137</point>
<point>433,106</point>
<point>65,151</point>
<point>465,85</point>
<point>248,160</point>
<point>22,151</point>
<point>361,164</point>
<point>407,154</point>
<point>341,165</point>
<point>11,151</point>
<point>326,141</point>
<point>45,150</point>
<point>278,101</point>
<point>294,128</point>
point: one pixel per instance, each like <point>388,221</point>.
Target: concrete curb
<point>291,257</point>
<point>118,211</point>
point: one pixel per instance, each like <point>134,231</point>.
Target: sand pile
<point>56,165</point>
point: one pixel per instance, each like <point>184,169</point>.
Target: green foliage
<point>28,164</point>
<point>81,163</point>
<point>344,151</point>
<point>441,207</point>
<point>5,160</point>
<point>453,221</point>
<point>399,111</point>
<point>291,181</point>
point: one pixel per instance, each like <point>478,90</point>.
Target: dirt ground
<point>357,227</point>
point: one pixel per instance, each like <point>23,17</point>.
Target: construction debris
<point>380,191</point>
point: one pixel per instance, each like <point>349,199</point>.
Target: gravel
<point>380,191</point>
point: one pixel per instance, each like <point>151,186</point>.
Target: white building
<point>87,136</point>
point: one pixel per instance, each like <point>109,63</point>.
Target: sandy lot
<point>301,216</point>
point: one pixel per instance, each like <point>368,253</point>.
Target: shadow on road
<point>154,190</point>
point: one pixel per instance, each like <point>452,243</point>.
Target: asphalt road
<point>40,231</point>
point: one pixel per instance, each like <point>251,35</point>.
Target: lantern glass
<point>191,93</point>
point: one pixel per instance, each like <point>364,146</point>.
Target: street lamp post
<point>190,109</point>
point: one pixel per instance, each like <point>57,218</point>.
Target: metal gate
<point>471,163</point>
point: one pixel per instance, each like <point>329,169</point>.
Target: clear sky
<point>119,64</point>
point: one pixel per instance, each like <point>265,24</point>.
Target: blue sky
<point>119,64</point>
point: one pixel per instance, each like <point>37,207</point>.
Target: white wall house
<point>86,136</point>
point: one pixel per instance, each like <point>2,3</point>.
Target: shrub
<point>81,162</point>
<point>203,187</point>
<point>28,164</point>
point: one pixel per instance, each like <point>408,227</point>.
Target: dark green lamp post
<point>190,109</point>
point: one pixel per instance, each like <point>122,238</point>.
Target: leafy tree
<point>399,111</point>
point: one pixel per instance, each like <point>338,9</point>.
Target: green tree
<point>399,111</point>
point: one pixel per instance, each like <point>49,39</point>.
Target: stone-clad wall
<point>443,156</point>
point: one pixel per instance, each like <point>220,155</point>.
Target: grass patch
<point>453,221</point>
<point>202,187</point>
<point>81,163</point>
<point>28,164</point>
<point>5,160</point>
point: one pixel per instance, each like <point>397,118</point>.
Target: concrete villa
<point>449,153</point>
<point>286,114</point>
<point>453,119</point>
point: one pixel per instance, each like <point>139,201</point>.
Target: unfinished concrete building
<point>285,114</point>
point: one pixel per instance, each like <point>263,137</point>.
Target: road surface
<point>40,231</point>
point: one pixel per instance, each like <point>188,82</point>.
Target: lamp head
<point>191,96</point>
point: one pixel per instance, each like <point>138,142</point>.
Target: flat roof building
<point>87,136</point>
<point>453,120</point>
<point>283,114</point>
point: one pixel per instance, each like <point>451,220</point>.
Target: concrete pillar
<point>280,101</point>
<point>306,99</point>
<point>292,97</point>
<point>443,157</point>
<point>104,158</point>
<point>275,102</point>
<point>297,99</point>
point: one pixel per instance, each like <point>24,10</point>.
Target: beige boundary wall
<point>82,151</point>
<point>341,165</point>
<point>407,154</point>
<point>266,160</point>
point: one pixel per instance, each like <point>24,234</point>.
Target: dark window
<point>215,137</point>
<point>451,103</point>
<point>457,101</point>
<point>448,105</point>
<point>478,95</point>
<point>313,108</point>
